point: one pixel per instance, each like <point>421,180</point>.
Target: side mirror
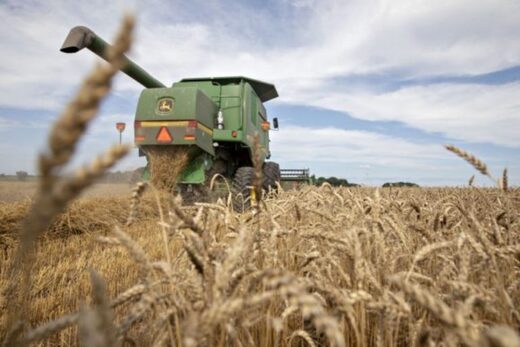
<point>275,123</point>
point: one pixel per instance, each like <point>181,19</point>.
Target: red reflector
<point>234,133</point>
<point>190,131</point>
<point>137,124</point>
<point>164,135</point>
<point>189,138</point>
<point>192,124</point>
<point>139,138</point>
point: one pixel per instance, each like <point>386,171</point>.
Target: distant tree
<point>319,181</point>
<point>21,175</point>
<point>400,184</point>
<point>343,182</point>
<point>333,181</point>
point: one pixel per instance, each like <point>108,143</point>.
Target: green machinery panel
<point>188,113</point>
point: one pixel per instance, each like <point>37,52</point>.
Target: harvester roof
<point>265,91</point>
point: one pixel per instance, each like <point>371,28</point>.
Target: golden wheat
<point>55,192</point>
<point>505,181</point>
<point>229,275</point>
<point>166,163</point>
<point>316,266</point>
<point>470,158</point>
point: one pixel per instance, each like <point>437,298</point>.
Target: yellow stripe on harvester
<point>175,123</point>
<point>205,129</point>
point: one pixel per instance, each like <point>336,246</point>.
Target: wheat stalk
<point>438,308</point>
<point>96,323</point>
<point>305,336</point>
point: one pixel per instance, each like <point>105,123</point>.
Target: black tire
<point>241,188</point>
<point>271,172</point>
<point>192,193</point>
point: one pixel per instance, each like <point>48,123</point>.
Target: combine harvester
<point>210,121</point>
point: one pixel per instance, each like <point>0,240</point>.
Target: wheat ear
<point>436,307</point>
<point>54,193</point>
<point>505,181</point>
<point>137,193</point>
<point>478,164</point>
<point>96,326</point>
<point>44,331</point>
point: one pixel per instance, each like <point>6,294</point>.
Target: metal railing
<point>297,175</point>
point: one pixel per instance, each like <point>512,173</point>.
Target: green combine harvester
<point>216,118</point>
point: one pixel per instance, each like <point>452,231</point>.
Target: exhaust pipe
<point>82,37</point>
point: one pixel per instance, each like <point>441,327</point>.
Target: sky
<point>369,90</point>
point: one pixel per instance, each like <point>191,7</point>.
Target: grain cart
<point>215,117</point>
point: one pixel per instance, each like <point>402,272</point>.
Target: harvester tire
<point>193,194</point>
<point>271,171</point>
<point>241,188</point>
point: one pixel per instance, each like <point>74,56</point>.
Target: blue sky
<point>369,90</point>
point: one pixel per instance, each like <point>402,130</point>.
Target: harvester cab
<point>214,122</point>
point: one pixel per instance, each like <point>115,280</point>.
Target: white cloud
<point>373,158</point>
<point>10,123</point>
<point>6,123</point>
<point>327,40</point>
<point>469,112</point>
<point>296,143</point>
<point>332,39</point>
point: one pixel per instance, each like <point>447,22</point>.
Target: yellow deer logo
<point>165,105</point>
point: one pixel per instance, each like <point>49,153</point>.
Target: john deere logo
<point>165,105</point>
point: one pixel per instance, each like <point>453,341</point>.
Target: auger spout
<point>82,37</point>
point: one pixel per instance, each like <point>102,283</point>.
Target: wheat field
<point>317,266</point>
<point>345,266</point>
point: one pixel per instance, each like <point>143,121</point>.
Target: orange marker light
<point>139,138</point>
<point>120,126</point>
<point>265,126</point>
<point>164,136</point>
<point>234,133</point>
<point>190,129</point>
